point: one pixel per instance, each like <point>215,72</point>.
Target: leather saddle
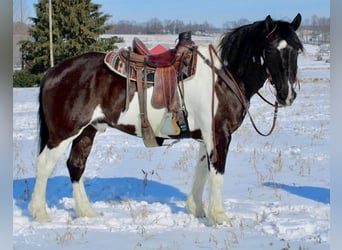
<point>169,57</point>
<point>164,71</point>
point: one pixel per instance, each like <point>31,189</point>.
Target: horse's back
<point>71,68</point>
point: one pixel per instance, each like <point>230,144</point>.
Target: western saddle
<point>165,71</point>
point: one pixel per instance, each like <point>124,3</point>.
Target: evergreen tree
<point>76,26</point>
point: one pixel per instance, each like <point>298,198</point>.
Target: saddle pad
<point>115,63</point>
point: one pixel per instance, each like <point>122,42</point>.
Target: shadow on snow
<point>100,189</point>
<point>313,193</point>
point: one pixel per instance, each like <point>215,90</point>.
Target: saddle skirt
<point>161,72</point>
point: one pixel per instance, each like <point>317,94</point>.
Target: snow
<point>276,190</point>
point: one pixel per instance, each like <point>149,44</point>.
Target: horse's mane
<point>238,46</point>
<point>241,44</point>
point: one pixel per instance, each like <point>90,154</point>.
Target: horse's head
<point>280,54</point>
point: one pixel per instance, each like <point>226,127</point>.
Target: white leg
<point>194,202</point>
<point>216,212</point>
<point>46,162</point>
<point>82,204</point>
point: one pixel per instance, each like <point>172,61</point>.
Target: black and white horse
<point>80,96</point>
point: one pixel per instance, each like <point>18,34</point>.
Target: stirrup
<point>170,126</point>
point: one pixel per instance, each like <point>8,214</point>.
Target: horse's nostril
<point>294,95</point>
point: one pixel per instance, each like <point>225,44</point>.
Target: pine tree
<point>76,26</point>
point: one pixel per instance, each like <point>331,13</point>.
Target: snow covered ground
<point>276,191</point>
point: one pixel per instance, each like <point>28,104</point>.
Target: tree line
<point>157,26</point>
<point>317,28</point>
<point>77,26</point>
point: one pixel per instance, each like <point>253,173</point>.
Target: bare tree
<point>315,30</point>
<point>154,26</point>
<point>234,24</point>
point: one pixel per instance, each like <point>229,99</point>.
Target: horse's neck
<point>216,43</point>
<point>253,75</point>
<point>250,82</point>
<point>253,79</point>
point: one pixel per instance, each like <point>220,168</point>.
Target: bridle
<point>227,78</point>
<point>231,83</point>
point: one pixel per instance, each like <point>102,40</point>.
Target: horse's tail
<point>43,129</point>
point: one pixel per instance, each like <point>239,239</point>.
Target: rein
<point>226,75</point>
<point>265,100</point>
<point>242,97</point>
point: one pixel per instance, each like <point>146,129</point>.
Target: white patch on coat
<point>98,115</point>
<point>194,202</point>
<point>290,95</point>
<point>132,115</point>
<point>216,213</point>
<point>101,127</point>
<point>82,204</point>
<point>46,163</point>
<point>282,45</point>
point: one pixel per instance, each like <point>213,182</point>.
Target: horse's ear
<point>296,21</point>
<point>269,23</point>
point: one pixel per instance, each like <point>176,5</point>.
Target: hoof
<point>40,215</point>
<point>90,213</point>
<point>195,209</point>
<point>219,218</point>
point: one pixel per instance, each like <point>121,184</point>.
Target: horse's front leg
<point>194,202</point>
<point>216,212</point>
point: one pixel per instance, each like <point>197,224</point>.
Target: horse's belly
<point>131,117</point>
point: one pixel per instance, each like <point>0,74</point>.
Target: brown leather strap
<point>146,129</point>
<point>223,74</point>
<point>214,157</point>
<point>128,81</point>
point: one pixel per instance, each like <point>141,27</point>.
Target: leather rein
<point>226,75</point>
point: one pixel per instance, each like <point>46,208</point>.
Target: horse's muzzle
<point>287,100</point>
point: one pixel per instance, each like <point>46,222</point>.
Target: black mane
<point>239,46</point>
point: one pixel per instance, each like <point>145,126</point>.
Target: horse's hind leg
<point>76,163</point>
<point>46,162</point>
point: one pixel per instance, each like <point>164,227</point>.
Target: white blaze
<point>289,98</point>
<point>282,45</point>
